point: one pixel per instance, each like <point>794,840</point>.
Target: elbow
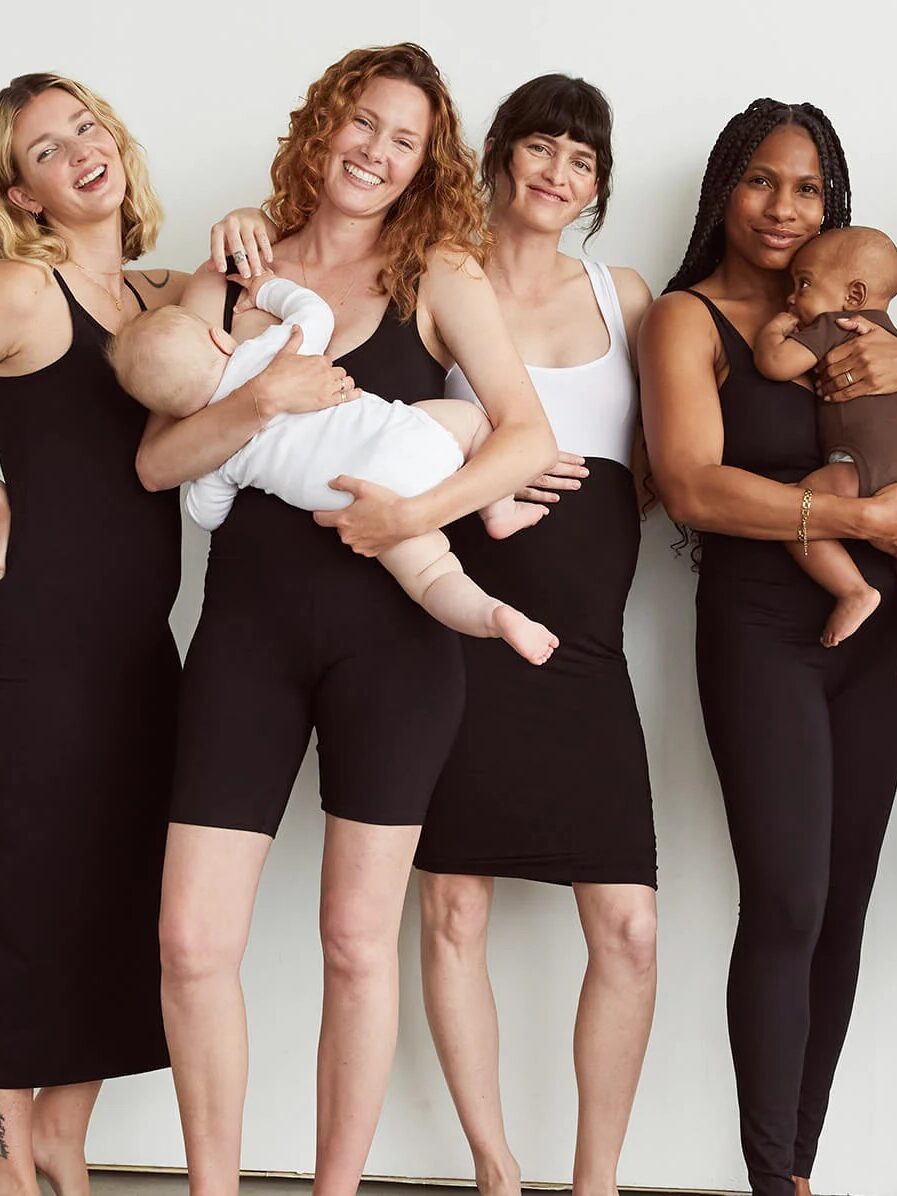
<point>148,473</point>
<point>682,504</point>
<point>545,449</point>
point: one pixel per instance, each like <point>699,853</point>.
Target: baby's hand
<point>784,323</point>
<point>251,288</point>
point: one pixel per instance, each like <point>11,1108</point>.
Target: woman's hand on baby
<point>377,519</point>
<point>294,384</point>
<point>866,365</point>
<point>247,231</point>
<point>883,521</point>
<point>567,474</point>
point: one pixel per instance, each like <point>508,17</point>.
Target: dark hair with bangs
<point>554,105</point>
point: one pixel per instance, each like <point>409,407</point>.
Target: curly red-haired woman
<point>375,201</point>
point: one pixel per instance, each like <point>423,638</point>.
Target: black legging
<point>804,745</point>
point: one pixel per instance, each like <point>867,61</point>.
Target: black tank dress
<point>88,695</point>
<point>548,778</point>
<point>296,632</point>
<point>802,738</point>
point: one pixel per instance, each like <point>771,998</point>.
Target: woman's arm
<point>174,451</point>
<point>678,351</point>
<point>456,295</point>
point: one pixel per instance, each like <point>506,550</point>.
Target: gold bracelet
<point>255,403</point>
<point>806,503</point>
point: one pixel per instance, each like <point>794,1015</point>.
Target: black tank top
<point>769,429</point>
<point>89,546</point>
<point>393,362</point>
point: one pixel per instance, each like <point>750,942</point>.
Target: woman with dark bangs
<point>375,203</point>
<point>548,779</point>
<point>800,735</point>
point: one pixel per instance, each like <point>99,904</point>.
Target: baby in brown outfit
<point>845,272</point>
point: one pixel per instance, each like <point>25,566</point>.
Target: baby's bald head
<point>168,360</point>
<point>846,255</point>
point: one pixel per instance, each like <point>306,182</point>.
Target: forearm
<point>514,453</point>
<point>733,502</point>
<point>177,451</point>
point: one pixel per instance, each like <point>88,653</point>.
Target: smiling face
<point>554,179</point>
<point>374,157</point>
<point>69,167</point>
<point>777,204</point>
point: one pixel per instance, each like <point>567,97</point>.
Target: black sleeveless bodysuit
<point>297,632</point>
<point>88,695</point>
<point>803,743</point>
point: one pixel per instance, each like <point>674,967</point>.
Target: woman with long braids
<point>799,735</point>
<point>375,202</point>
<point>555,789</point>
<point>88,666</point>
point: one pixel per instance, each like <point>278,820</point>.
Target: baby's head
<point>844,269</point>
<point>170,360</point>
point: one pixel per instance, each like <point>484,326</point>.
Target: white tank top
<point>592,407</point>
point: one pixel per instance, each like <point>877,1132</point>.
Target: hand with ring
<point>864,365</point>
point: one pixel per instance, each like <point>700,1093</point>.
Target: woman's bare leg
<point>463,1022</point>
<point>208,890</point>
<point>363,882</point>
<point>58,1132</point>
<point>613,1022</point>
<point>17,1177</point>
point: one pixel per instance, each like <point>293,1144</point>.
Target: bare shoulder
<point>446,262</point>
<point>22,286</point>
<point>204,294</point>
<point>632,290</point>
<point>26,295</point>
<point>159,287</point>
<point>679,314</point>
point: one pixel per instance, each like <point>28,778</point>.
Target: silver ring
<point>342,390</point>
<point>849,376</point>
<point>240,257</point>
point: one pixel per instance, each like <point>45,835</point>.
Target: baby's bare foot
<point>849,614</point>
<point>514,517</point>
<point>534,642</point>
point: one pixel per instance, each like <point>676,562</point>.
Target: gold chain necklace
<point>117,300</point>
<point>345,295</point>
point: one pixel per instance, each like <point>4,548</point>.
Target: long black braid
<point>728,161</point>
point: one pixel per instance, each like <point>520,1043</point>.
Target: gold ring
<point>849,376</point>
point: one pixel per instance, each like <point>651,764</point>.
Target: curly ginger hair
<point>442,205</point>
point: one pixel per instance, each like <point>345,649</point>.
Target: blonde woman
<point>88,667</point>
<point>374,197</point>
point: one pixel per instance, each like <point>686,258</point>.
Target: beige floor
<point>123,1183</point>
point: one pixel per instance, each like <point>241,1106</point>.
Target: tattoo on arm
<point>158,285</point>
<point>4,1149</point>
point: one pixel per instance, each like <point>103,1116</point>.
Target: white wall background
<point>207,88</point>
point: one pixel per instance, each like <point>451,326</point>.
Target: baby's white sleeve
<point>294,304</point>
<point>210,498</point>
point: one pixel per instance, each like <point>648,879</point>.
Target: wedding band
<point>239,257</point>
<point>849,376</point>
<point>342,389</point>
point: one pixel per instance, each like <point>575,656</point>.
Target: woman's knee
<point>455,910</point>
<point>625,931</point>
<point>192,949</point>
<point>355,944</point>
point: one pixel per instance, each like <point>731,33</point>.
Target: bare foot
<point>849,614</point>
<point>514,517</point>
<point>534,642</point>
<point>801,1186</point>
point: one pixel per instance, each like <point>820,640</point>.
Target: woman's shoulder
<point>631,288</point>
<point>159,287</point>
<point>22,285</point>
<point>446,261</point>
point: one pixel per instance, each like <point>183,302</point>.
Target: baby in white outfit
<point>174,363</point>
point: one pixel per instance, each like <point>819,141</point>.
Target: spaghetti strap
<point>134,292</point>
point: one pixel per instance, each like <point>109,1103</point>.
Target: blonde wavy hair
<point>443,203</point>
<point>24,237</point>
